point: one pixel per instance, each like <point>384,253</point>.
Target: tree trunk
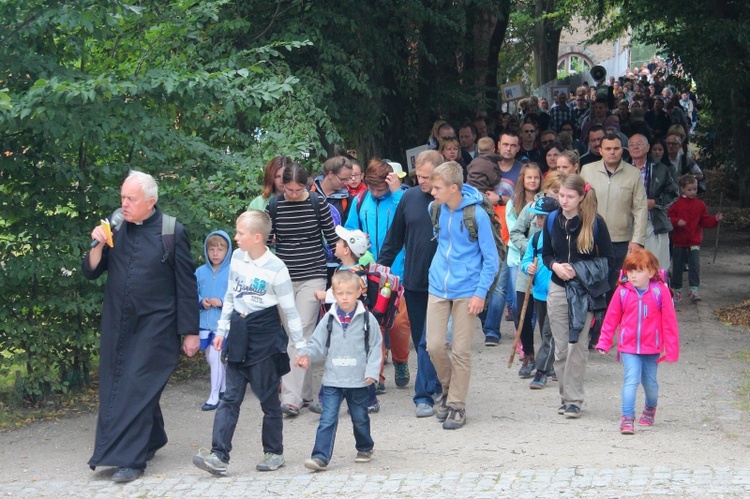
<point>489,34</point>
<point>546,44</point>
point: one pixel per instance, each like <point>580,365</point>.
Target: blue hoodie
<point>462,268</point>
<point>212,284</point>
<point>375,218</point>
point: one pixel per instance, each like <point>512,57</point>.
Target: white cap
<point>397,169</point>
<point>355,239</point>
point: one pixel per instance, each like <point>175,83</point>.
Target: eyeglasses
<point>356,175</point>
<point>676,144</point>
<point>447,138</point>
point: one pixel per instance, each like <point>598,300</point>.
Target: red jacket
<point>645,324</point>
<point>694,212</point>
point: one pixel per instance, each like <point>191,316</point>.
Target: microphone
<point>114,220</point>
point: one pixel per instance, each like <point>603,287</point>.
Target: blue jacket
<point>212,285</point>
<point>543,275</point>
<point>375,218</point>
<point>462,268</point>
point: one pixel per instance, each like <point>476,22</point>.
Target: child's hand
<point>218,342</point>
<point>302,361</point>
<point>719,216</point>
<point>320,295</point>
<point>681,223</point>
<point>369,381</point>
<point>206,303</point>
<point>531,269</point>
<point>216,302</point>
<point>601,351</point>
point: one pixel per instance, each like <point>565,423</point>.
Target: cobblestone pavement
<point>711,482</point>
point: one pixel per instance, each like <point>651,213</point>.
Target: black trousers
<point>264,382</point>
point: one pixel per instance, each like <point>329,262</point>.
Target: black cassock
<point>147,306</point>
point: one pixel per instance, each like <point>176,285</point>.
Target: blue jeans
<point>496,306</point>
<point>639,370</point>
<point>356,399</point>
<point>426,384</point>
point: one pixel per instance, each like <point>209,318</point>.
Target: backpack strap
<point>435,217</point>
<point>470,221</point>
<point>655,290</point>
<point>360,198</point>
<point>534,242</point>
<point>329,328</point>
<point>167,238</point>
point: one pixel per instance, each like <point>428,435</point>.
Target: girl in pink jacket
<point>642,315</point>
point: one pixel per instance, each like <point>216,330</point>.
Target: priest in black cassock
<point>148,305</point>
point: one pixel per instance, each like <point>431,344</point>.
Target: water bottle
<point>381,304</point>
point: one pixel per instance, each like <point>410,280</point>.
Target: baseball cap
<point>544,206</point>
<point>355,239</point>
<point>397,168</point>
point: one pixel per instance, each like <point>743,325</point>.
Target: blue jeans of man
<point>497,301</point>
<point>426,384</point>
<point>356,399</point>
<point>639,370</point>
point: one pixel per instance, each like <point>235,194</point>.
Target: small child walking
<point>212,278</point>
<point>348,336</point>
<point>256,343</point>
<point>689,217</point>
<point>642,315</point>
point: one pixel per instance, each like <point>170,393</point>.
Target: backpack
<point>377,276</point>
<point>329,328</point>
<point>470,222</point>
<point>273,208</point>
<point>655,290</point>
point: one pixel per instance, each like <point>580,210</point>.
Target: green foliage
<point>93,89</point>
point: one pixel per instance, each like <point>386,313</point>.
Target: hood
<point>228,256</point>
<point>470,195</point>
<point>339,194</point>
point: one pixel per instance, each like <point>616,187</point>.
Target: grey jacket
<point>587,291</point>
<point>663,189</point>
<point>347,364</point>
<point>520,234</point>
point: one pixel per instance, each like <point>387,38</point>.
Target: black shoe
<point>150,454</point>
<point>572,411</point>
<point>125,475</point>
<point>209,407</point>
<point>561,409</point>
<point>221,395</point>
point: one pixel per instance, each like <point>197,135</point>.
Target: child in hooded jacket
<point>212,278</point>
<point>642,315</point>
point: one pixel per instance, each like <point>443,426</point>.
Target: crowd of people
<point>587,212</point>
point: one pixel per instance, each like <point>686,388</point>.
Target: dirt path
<point>509,426</point>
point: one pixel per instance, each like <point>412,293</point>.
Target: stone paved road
<point>711,482</point>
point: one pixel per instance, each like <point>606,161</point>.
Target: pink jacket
<point>644,324</point>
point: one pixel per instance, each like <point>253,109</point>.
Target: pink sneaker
<point>647,417</point>
<point>626,425</point>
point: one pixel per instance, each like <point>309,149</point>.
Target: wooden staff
<point>521,319</point>
<point>718,225</point>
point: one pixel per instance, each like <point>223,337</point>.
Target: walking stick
<point>718,226</point>
<point>521,319</point>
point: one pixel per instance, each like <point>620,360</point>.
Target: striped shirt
<point>255,285</point>
<point>298,237</point>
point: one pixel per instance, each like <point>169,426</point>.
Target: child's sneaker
<point>208,461</point>
<point>677,296</point>
<point>647,417</point>
<point>363,456</point>
<point>271,462</point>
<point>315,464</point>
<point>441,408</point>
<point>694,296</point>
<point>626,425</point>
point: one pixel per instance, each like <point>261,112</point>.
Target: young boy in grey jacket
<point>349,339</point>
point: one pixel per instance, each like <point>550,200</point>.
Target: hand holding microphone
<point>104,232</point>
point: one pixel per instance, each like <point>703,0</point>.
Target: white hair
<point>148,184</point>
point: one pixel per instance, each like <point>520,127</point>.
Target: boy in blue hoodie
<point>212,280</point>
<point>349,338</point>
<point>461,274</point>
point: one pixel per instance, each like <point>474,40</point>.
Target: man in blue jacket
<point>461,274</point>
